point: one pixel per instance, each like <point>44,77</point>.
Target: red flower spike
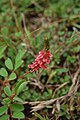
<point>41,60</point>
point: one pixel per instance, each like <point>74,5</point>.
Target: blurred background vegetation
<point>23,26</point>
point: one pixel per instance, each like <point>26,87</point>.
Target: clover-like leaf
<point>12,76</point>
<point>7,91</point>
<point>3,109</point>
<point>9,64</point>
<point>17,107</point>
<point>4,117</point>
<point>3,72</point>
<point>2,49</point>
<point>5,31</point>
<point>20,86</point>
<point>18,64</point>
<point>18,115</point>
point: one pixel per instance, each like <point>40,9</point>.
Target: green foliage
<point>12,76</point>
<point>3,109</point>
<point>4,31</point>
<point>7,91</point>
<point>61,70</point>
<point>17,107</point>
<point>6,101</point>
<point>3,72</point>
<point>18,64</point>
<point>2,49</point>
<point>4,117</point>
<point>18,115</point>
<point>18,34</point>
<point>20,86</point>
<point>19,55</point>
<point>18,59</point>
<point>18,99</point>
<point>9,64</point>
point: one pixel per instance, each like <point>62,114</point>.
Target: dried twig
<point>43,104</point>
<point>75,81</point>
<point>37,83</point>
<point>38,105</point>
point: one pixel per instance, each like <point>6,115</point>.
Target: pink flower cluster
<point>41,60</point>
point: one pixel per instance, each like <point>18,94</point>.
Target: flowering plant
<point>41,60</point>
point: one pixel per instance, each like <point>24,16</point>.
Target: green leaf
<point>18,34</point>
<point>6,101</point>
<point>9,64</point>
<point>2,49</point>
<point>5,31</point>
<point>18,64</point>
<point>3,72</point>
<point>18,115</point>
<point>18,59</point>
<point>12,76</point>
<point>3,109</point>
<point>76,49</point>
<point>18,99</point>
<point>20,55</point>
<point>17,107</point>
<point>7,91</point>
<point>4,117</point>
<point>47,118</point>
<point>20,86</point>
<point>61,70</point>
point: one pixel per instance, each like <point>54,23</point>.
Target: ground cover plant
<point>39,60</point>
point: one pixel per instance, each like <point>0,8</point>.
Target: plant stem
<point>14,15</point>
